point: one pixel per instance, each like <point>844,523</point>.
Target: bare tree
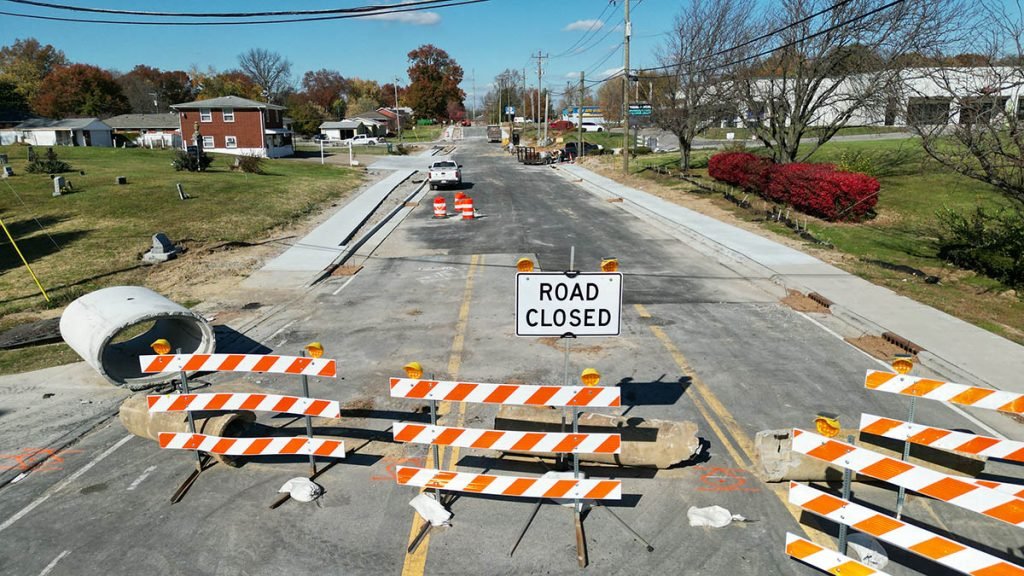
<point>971,119</point>
<point>833,65</point>
<point>694,93</point>
<point>269,70</point>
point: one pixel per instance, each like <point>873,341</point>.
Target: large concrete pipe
<point>92,324</point>
<point>645,443</point>
<point>137,419</point>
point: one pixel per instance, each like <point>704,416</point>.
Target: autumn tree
<point>80,90</point>
<point>213,84</point>
<point>26,63</point>
<point>694,94</point>
<point>434,79</point>
<point>812,74</point>
<point>609,98</point>
<point>153,90</point>
<point>10,99</point>
<point>268,70</point>
<point>325,88</point>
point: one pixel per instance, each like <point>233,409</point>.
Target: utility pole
<point>625,92</point>
<point>579,117</point>
<point>472,106</point>
<point>540,74</point>
<point>398,113</point>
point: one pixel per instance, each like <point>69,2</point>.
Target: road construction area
<point>704,337</point>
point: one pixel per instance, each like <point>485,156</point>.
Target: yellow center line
<point>703,399</point>
<point>416,562</point>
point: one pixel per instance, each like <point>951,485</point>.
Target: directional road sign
<point>639,109</point>
<point>557,304</point>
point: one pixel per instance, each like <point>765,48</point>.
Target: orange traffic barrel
<point>440,207</point>
<point>467,208</point>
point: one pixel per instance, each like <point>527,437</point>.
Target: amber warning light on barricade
<point>827,424</point>
<point>524,265</point>
<point>903,364</point>
<point>315,349</point>
<point>413,370</point>
<point>161,346</point>
<point>590,377</point>
<point>609,265</point>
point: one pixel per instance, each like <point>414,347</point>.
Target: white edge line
<point>24,511</point>
<point>281,329</point>
<point>145,474</point>
<point>342,287</point>
<point>952,407</point>
<point>53,563</point>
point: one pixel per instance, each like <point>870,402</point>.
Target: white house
<point>148,130</point>
<point>344,129</point>
<point>67,132</point>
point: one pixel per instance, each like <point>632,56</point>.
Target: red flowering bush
<point>815,189</point>
<point>748,171</point>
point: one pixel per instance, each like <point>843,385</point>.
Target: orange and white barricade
<point>515,394</point>
<point>467,209</point>
<point>440,207</point>
<point>942,439</point>
<point>941,550</point>
<point>507,440</point>
<point>298,365</point>
<point>824,559</point>
<point>300,445</point>
<point>517,486</point>
<point>964,493</point>
<point>975,396</point>
<point>245,401</point>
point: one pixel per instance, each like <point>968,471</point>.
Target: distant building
<point>344,129</point>
<point>233,125</point>
<point>590,114</point>
<point>147,130</point>
<point>66,132</point>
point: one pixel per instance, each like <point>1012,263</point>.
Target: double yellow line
<point>416,562</point>
<point>725,426</point>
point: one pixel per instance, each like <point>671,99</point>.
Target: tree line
<point>40,79</point>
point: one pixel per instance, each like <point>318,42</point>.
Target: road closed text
<point>553,304</point>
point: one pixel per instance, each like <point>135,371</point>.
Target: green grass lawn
<point>904,231</point>
<point>101,228</point>
<point>744,133</point>
<point>420,133</point>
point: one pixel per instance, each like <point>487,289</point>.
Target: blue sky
<point>483,38</point>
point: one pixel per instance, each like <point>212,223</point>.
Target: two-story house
<point>233,125</point>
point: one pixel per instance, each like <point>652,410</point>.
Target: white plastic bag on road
<point>302,489</point>
<point>430,510</point>
<point>712,516</point>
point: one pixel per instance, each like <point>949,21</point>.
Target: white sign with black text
<point>557,304</point>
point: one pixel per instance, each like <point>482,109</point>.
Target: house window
<point>208,142</point>
<point>229,114</point>
<point>205,115</point>
<point>932,111</point>
<point>230,142</point>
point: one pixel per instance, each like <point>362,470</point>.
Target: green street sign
<point>639,111</point>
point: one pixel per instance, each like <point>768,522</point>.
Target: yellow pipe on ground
<point>22,256</point>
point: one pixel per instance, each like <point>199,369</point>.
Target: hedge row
<point>815,189</point>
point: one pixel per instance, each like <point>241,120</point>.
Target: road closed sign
<point>556,304</point>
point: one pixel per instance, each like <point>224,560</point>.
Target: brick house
<point>233,125</point>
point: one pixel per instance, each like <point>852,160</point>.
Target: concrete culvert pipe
<point>112,327</point>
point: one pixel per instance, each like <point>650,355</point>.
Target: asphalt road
<point>700,341</point>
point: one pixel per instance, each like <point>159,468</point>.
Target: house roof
<point>147,121</point>
<point>226,102</point>
<point>65,124</point>
<point>343,125</point>
<point>366,119</point>
<point>373,116</point>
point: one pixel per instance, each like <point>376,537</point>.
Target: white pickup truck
<point>444,173</point>
<point>362,140</point>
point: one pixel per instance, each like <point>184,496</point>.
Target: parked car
<point>319,137</point>
<point>444,173</point>
<point>466,123</point>
<point>592,127</point>
<point>589,149</point>
<point>363,140</point>
<point>561,125</point>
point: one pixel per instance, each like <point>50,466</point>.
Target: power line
<point>357,9</point>
<point>764,36</point>
<point>593,28</point>
<point>446,4</point>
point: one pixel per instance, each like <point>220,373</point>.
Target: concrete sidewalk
<point>956,349</point>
